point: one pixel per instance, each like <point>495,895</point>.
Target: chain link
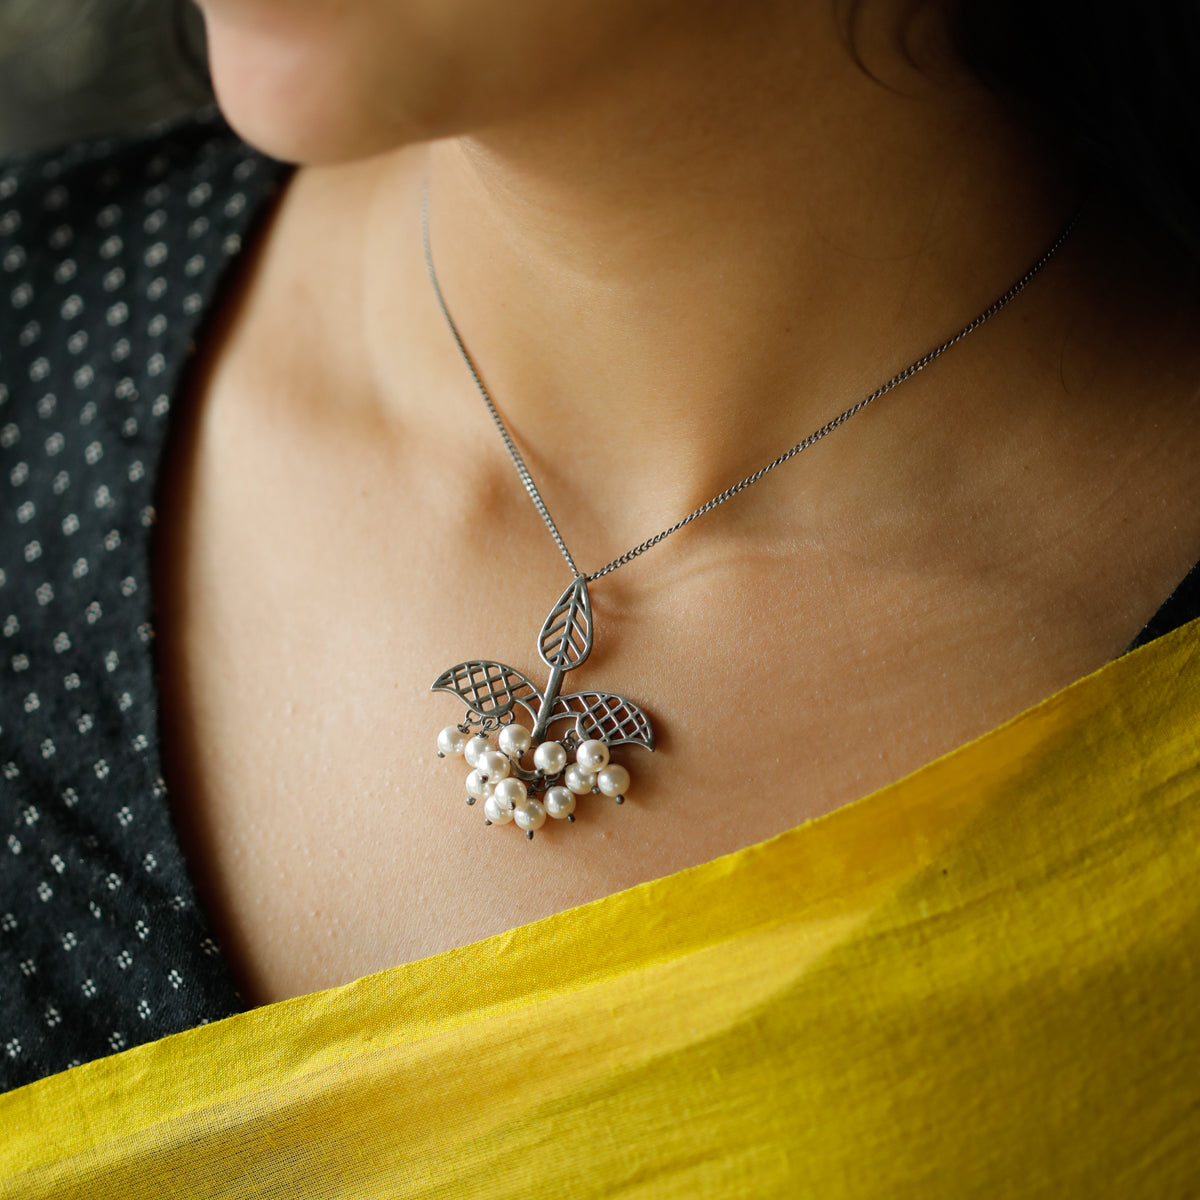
<point>734,489</point>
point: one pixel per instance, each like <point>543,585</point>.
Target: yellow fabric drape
<point>982,981</point>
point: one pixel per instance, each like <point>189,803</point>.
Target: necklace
<point>596,722</point>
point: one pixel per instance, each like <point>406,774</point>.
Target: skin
<point>676,238</point>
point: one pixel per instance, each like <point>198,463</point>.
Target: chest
<point>312,581</point>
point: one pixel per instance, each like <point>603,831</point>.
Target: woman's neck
<point>670,277</point>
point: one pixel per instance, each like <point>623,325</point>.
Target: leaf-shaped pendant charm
<point>613,719</point>
<point>490,689</point>
<point>512,791</point>
<point>566,637</point>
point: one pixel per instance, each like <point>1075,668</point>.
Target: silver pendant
<point>493,694</point>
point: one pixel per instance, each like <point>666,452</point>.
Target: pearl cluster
<point>494,780</point>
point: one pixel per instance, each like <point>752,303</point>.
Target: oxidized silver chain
<point>493,692</point>
<point>734,489</point>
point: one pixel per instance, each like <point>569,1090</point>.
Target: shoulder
<point>106,235</point>
<point>111,253</point>
<point>54,200</point>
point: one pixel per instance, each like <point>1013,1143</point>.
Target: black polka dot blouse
<point>112,255</point>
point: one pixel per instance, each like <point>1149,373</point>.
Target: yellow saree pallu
<point>982,981</point>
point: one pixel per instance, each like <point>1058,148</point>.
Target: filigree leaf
<point>566,637</point>
<point>489,688</point>
<point>611,718</point>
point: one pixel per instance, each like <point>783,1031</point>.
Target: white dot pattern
<point>105,274</point>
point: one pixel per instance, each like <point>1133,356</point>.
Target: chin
<point>330,81</point>
<point>291,100</point>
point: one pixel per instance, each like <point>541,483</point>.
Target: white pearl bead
<point>515,740</point>
<point>479,786</point>
<point>613,780</point>
<point>451,741</point>
<point>497,812</point>
<point>509,791</point>
<point>550,758</point>
<point>493,765</point>
<point>559,802</point>
<point>579,780</point>
<point>592,755</point>
<point>529,814</point>
<point>474,748</point>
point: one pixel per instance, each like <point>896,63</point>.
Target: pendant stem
<point>551,695</point>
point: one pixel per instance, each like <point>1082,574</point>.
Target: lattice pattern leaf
<point>489,688</point>
<point>611,718</point>
<point>566,637</point>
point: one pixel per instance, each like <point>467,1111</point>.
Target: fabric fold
<point>979,981</point>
